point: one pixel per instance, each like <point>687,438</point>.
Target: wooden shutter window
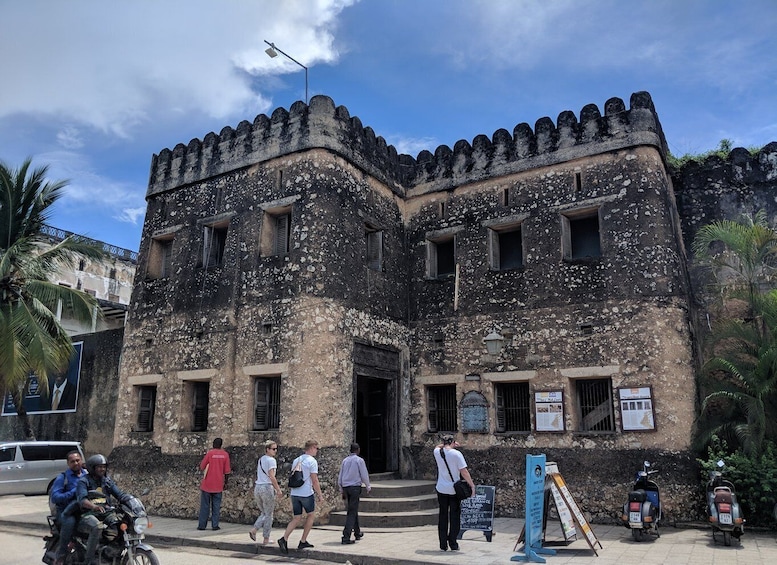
<point>147,401</point>
<point>200,407</point>
<point>282,234</point>
<point>375,250</point>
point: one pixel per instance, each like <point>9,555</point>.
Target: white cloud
<point>131,215</point>
<point>70,137</point>
<point>413,146</point>
<point>115,66</point>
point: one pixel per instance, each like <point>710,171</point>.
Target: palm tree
<point>742,373</point>
<point>31,338</point>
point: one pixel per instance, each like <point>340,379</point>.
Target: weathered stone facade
<point>301,256</point>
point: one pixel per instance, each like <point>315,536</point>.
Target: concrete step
<point>394,503</point>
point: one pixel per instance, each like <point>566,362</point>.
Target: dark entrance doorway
<point>372,421</point>
<point>376,374</point>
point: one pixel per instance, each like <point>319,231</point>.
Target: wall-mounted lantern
<point>494,343</point>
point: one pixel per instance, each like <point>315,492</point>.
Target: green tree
<point>31,338</point>
<point>741,375</point>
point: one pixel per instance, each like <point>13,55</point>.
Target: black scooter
<point>642,512</point>
<point>723,510</point>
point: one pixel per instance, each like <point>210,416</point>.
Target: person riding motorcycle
<point>63,497</point>
<point>94,492</point>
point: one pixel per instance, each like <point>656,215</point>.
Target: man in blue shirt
<point>63,497</point>
<point>353,473</point>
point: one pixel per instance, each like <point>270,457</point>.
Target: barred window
<point>441,408</point>
<point>267,403</point>
<point>513,408</point>
<point>594,404</point>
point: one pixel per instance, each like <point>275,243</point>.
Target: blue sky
<point>94,88</point>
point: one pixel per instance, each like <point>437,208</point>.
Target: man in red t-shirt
<point>215,466</point>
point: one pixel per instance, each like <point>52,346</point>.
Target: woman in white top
<point>451,467</point>
<point>265,491</point>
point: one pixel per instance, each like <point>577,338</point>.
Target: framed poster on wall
<point>549,411</point>
<point>637,409</point>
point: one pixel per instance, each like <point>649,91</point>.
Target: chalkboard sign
<point>477,511</point>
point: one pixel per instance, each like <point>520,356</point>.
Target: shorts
<point>300,502</point>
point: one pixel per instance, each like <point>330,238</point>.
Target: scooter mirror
<point>721,464</point>
<point>647,463</point>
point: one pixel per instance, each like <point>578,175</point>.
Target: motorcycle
<point>121,540</point>
<point>642,512</point>
<point>723,511</point>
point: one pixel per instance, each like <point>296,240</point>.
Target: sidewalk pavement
<point>417,545</point>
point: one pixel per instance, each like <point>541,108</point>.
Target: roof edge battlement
<point>321,124</point>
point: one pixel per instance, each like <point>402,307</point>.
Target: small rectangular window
<point>374,241</point>
<point>441,258</point>
<point>112,274</point>
<point>578,182</point>
<point>441,408</point>
<point>267,403</point>
<point>146,406</point>
<point>506,248</point>
<point>213,244</point>
<point>275,238</point>
<point>594,405</point>
<point>581,235</point>
<point>513,408</point>
<point>81,264</point>
<point>200,400</point>
<point>160,258</point>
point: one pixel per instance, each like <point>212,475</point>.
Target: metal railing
<point>118,252</point>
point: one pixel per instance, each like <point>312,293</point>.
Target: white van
<point>30,467</point>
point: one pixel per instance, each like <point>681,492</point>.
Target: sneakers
<point>283,545</point>
<point>347,541</point>
<point>305,545</point>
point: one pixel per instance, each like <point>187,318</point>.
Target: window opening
<point>441,260</point>
<point>581,236</point>
<point>578,182</point>
<point>146,405</point>
<point>443,210</point>
<point>513,407</point>
<point>441,408</point>
<point>112,274</point>
<point>200,394</point>
<point>506,197</point>
<point>374,240</point>
<point>506,248</point>
<point>594,402</point>
<point>214,243</point>
<point>267,403</point>
<point>81,264</point>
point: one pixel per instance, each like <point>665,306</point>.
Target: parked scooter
<point>723,510</point>
<point>642,512</point>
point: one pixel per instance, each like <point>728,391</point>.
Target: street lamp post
<point>273,51</point>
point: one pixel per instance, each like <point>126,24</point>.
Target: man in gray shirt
<point>353,473</point>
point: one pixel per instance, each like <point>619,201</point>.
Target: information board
<point>477,511</point>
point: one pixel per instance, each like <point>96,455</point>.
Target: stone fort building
<point>297,278</point>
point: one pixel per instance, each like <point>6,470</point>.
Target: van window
<point>61,451</point>
<point>36,452</point>
<point>7,454</point>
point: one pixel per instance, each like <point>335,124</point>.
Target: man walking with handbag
<point>302,497</point>
<point>216,471</point>
<point>451,467</point>
<point>353,473</point>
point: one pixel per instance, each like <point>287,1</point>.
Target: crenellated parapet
<point>321,124</point>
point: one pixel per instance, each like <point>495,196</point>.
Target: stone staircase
<point>394,503</point>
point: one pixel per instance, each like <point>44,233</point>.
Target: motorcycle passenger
<point>63,496</point>
<point>94,493</point>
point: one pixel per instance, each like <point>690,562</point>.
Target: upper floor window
<point>374,241</point>
<point>214,241</point>
<point>580,233</point>
<point>267,403</point>
<point>505,247</point>
<point>160,257</point>
<point>276,231</point>
<point>146,406</point>
<point>441,257</point>
<point>200,393</point>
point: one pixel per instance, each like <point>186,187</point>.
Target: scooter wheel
<point>636,534</point>
<point>727,538</point>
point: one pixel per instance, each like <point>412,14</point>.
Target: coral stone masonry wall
<point>298,279</point>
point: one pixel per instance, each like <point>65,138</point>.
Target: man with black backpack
<point>63,499</point>
<point>302,497</point>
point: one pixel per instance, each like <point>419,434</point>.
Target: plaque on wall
<point>549,411</point>
<point>474,413</point>
<point>637,409</point>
